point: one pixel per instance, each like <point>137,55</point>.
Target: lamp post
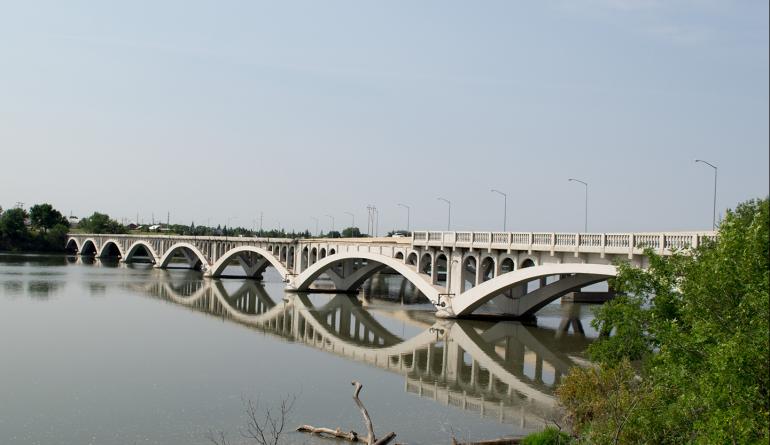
<point>585,228</point>
<point>316,224</point>
<point>332,218</point>
<point>714,211</point>
<point>449,212</point>
<point>505,206</point>
<point>408,211</point>
<point>353,222</point>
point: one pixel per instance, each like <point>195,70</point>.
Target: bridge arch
<point>578,275</point>
<point>110,248</point>
<point>72,245</point>
<point>411,259</point>
<point>488,268</point>
<point>507,264</point>
<point>169,255</point>
<point>221,263</point>
<point>469,268</point>
<point>527,262</point>
<point>290,257</point>
<point>426,263</point>
<point>303,281</point>
<point>131,252</point>
<point>88,247</point>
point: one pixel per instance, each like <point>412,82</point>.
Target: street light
<point>408,211</point>
<point>316,224</point>
<point>449,213</point>
<point>353,222</point>
<point>585,230</point>
<point>505,206</point>
<point>332,218</point>
<point>714,211</point>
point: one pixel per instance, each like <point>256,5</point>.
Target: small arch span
<point>72,245</point>
<point>88,248</point>
<point>110,249</point>
<point>139,251</point>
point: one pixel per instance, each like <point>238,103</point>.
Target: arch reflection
<point>501,370</point>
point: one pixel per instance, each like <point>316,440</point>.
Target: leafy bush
<point>697,324</point>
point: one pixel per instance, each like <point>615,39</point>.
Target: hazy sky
<point>223,109</point>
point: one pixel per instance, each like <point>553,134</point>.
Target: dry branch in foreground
<point>352,436</point>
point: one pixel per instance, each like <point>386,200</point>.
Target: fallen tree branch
<point>364,413</point>
<point>352,436</point>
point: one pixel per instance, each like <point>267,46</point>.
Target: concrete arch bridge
<point>508,273</point>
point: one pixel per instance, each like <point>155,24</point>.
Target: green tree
<point>44,216</point>
<point>101,223</point>
<point>697,324</point>
<point>351,232</point>
<point>13,231</point>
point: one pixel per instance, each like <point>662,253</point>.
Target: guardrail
<point>566,242</point>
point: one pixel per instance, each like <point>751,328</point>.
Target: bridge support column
<point>455,273</point>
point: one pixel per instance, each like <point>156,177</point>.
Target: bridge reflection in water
<point>501,370</point>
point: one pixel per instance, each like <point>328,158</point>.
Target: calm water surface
<point>103,353</point>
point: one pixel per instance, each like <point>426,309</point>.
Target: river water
<point>95,352</point>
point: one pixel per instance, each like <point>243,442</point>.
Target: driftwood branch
<point>352,436</point>
<point>364,413</point>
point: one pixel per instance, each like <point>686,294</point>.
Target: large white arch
<point>166,259</point>
<point>100,253</point>
<point>220,265</point>
<point>470,300</point>
<point>132,250</point>
<point>303,281</point>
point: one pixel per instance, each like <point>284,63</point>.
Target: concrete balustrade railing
<point>618,243</point>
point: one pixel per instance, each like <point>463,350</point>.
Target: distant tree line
<point>44,229</point>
